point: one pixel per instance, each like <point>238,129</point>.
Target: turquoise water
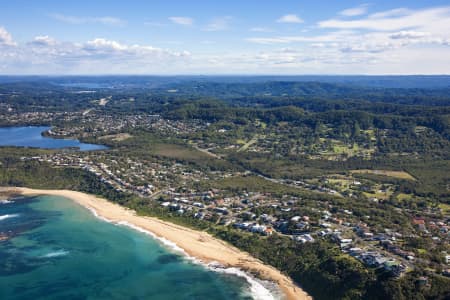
<point>30,136</point>
<point>58,250</point>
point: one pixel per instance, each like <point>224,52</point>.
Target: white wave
<point>164,241</point>
<point>94,212</point>
<point>4,217</point>
<point>259,289</point>
<point>57,253</point>
<point>5,201</point>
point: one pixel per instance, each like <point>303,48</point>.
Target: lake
<point>31,136</point>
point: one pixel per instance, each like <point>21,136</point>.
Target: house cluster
<point>256,212</point>
<point>96,123</point>
<point>143,178</point>
<point>175,127</point>
<point>264,214</point>
<point>377,260</point>
<point>281,140</point>
<point>254,227</point>
<point>12,117</point>
<point>434,227</point>
<point>93,123</point>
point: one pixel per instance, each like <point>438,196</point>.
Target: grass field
<point>178,152</point>
<point>190,155</point>
<point>422,251</point>
<point>403,196</point>
<point>249,143</point>
<point>445,208</point>
<point>370,133</point>
<point>338,148</point>
<point>396,174</point>
<point>378,195</point>
<point>116,137</point>
<point>342,184</point>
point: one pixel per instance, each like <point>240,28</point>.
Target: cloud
<point>396,12</point>
<point>112,21</point>
<point>350,41</point>
<point>218,24</point>
<point>43,40</point>
<point>393,29</point>
<point>335,36</point>
<point>409,34</point>
<point>269,40</point>
<point>45,55</point>
<point>354,11</point>
<point>437,18</point>
<point>186,21</point>
<point>101,46</point>
<point>392,41</point>
<point>6,38</point>
<point>290,18</point>
<point>367,47</point>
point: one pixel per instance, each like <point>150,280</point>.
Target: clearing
<point>249,143</point>
<point>396,174</point>
<point>116,137</point>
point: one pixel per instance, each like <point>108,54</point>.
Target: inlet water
<point>31,136</point>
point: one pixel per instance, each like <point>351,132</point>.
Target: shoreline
<point>197,244</point>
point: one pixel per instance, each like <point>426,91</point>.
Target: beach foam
<point>4,217</point>
<point>57,253</point>
<point>5,201</point>
<point>165,242</point>
<point>258,289</point>
<point>94,212</point>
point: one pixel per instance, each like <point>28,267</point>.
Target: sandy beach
<point>200,245</point>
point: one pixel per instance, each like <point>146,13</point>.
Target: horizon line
<point>215,75</point>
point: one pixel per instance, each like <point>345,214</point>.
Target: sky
<point>251,37</point>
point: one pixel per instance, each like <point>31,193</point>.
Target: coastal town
<point>311,182</point>
<point>175,186</point>
<point>216,150</point>
<point>257,212</point>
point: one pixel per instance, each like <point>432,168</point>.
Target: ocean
<point>52,248</point>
